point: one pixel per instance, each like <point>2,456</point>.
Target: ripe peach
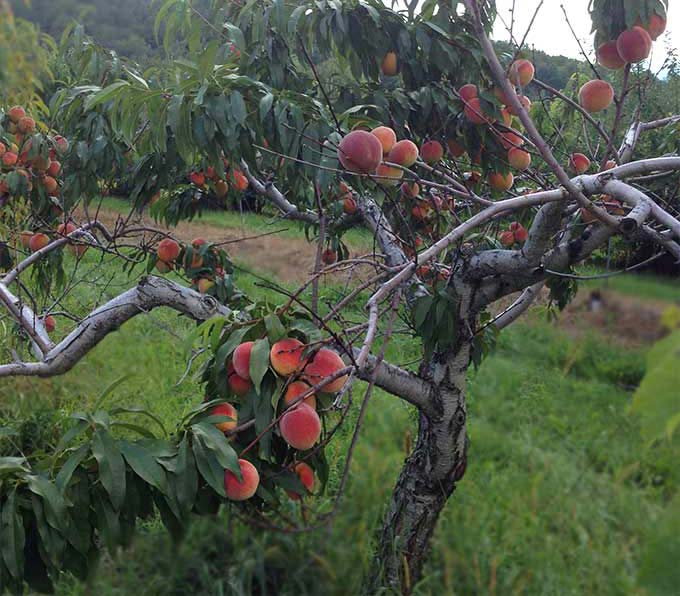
<point>388,175</point>
<point>421,210</point>
<point>500,96</point>
<point>241,359</point>
<point>609,164</point>
<point>386,136</point>
<point>306,476</point>
<point>38,241</point>
<point>286,356</point>
<point>521,73</point>
<point>431,152</point>
<point>50,184</point>
<point>510,139</point>
<point>455,148</point>
<point>519,159</point>
<point>349,205</point>
<point>507,117</point>
<point>10,158</point>
<point>360,152</point>
<point>295,390</point>
<point>329,256</point>
<point>587,217</point>
<point>204,284</point>
<point>344,187</point>
<point>16,113</point>
<point>499,182</point>
<point>300,427</point>
<point>521,233</point>
<point>240,180</point>
<point>634,45</point>
<point>473,111</point>
<point>168,250</point>
<point>579,162</point>
<point>608,56</point>
<point>66,229</point>
<point>53,168</point>
<point>197,178</point>
<point>468,92</point>
<point>655,27</point>
<point>389,64</point>
<point>61,143</point>
<point>596,95</point>
<point>410,189</point>
<point>242,491</point>
<point>507,238</point>
<point>50,323</point>
<point>404,153</point>
<point>221,188</point>
<point>26,125</point>
<point>196,257</point>
<point>3,148</point>
<point>238,385</point>
<point>163,267</point>
<point>25,237</point>
<point>325,363</point>
<point>526,104</point>
<point>225,410</point>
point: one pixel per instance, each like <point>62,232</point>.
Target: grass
<point>560,497</point>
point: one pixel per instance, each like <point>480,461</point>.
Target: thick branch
<point>150,293</point>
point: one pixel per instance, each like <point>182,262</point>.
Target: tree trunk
<point>427,480</point>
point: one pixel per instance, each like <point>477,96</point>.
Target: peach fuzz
<point>431,152</point>
<point>389,65</point>
<point>360,152</point>
<point>238,385</point>
<point>608,56</point>
<point>50,323</point>
<point>168,250</point>
<point>455,148</point>
<point>473,111</point>
<point>579,162</point>
<point>295,390</point>
<point>225,410</point>
<point>388,175</point>
<point>329,256</point>
<point>241,359</point>
<point>500,182</point>
<point>634,45</point>
<point>300,427</point>
<point>286,356</point>
<point>519,159</point>
<point>596,95</point>
<point>468,92</point>
<point>325,363</point>
<point>386,136</point>
<point>404,153</point>
<point>507,238</point>
<point>242,490</point>
<point>38,241</point>
<point>521,73</point>
<point>306,475</point>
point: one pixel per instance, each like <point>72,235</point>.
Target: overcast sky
<point>551,34</point>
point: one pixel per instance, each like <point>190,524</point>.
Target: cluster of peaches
<point>220,186</point>
<point>28,154</point>
<point>300,424</point>
<point>199,259</point>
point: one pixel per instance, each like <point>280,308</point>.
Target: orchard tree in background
<point>336,115</point>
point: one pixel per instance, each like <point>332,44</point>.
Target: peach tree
<point>337,114</point>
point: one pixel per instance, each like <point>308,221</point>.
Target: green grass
<point>561,496</point>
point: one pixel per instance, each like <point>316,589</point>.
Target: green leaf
<point>215,441</point>
<point>111,467</point>
<point>275,329</point>
<point>10,465</point>
<point>144,465</point>
<point>13,537</point>
<point>186,483</point>
<point>55,506</point>
<point>110,389</point>
<point>70,465</point>
<point>209,467</point>
<point>71,434</point>
<point>266,105</point>
<point>259,362</point>
<point>105,94</point>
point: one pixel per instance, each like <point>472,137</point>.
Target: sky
<point>551,34</point>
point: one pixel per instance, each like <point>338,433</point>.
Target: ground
<point>561,495</point>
